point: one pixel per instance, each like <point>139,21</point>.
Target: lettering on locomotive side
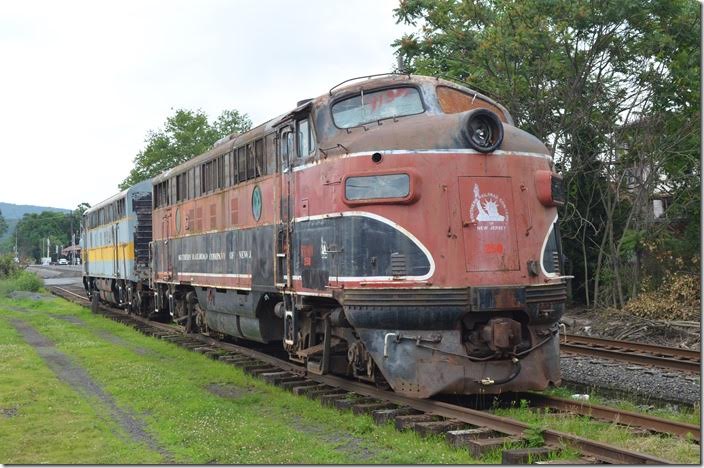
<point>204,256</point>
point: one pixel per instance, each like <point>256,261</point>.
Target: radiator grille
<point>546,293</point>
<point>407,297</point>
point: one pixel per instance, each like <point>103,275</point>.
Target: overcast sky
<point>81,83</point>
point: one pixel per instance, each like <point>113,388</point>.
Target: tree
<point>35,228</point>
<point>3,224</point>
<point>185,134</point>
<point>613,90</point>
<point>80,209</point>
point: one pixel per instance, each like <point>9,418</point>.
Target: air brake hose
<point>517,369</point>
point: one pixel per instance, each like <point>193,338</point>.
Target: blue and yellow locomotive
<point>116,236</point>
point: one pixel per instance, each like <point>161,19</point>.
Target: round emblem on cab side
<point>257,203</point>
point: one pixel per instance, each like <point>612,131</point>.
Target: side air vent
<point>556,261</point>
<point>398,264</point>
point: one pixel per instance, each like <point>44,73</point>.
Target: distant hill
<point>12,211</point>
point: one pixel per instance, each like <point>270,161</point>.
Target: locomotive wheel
<point>94,299</point>
<point>130,300</point>
<point>379,379</point>
<point>200,324</point>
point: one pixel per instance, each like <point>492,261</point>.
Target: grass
<point>45,421</point>
<point>167,388</point>
<point>664,446</point>
<point>684,414</point>
<point>20,280</point>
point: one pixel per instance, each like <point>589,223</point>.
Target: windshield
<point>376,105</point>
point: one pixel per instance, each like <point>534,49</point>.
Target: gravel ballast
<point>647,384</point>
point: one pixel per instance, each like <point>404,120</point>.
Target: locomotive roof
<point>352,86</point>
<point>364,83</point>
<point>146,183</point>
<point>222,146</point>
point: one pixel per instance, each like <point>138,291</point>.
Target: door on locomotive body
<point>165,260</point>
<point>489,226</point>
<point>114,241</point>
<point>283,232</point>
<point>296,146</point>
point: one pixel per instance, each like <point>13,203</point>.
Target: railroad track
<point>634,353</point>
<point>475,430</point>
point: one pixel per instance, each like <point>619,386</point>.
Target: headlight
<point>549,188</point>
<point>483,130</point>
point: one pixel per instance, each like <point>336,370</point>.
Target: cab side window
<point>286,147</point>
<point>305,137</point>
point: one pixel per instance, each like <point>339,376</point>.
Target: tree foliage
<point>3,224</point>
<point>613,90</point>
<point>35,228</point>
<point>186,134</point>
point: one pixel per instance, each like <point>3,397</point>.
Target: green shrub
<point>21,280</point>
<point>8,267</point>
<point>27,281</point>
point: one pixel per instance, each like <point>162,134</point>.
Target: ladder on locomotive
<point>142,206</point>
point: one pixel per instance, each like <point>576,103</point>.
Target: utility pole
<point>73,236</point>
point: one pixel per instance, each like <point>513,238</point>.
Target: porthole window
<point>257,203</point>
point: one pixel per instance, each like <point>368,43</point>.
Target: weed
<point>533,435</point>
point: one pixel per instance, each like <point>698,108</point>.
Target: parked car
<point>63,261</point>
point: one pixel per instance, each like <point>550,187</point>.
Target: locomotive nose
<point>482,130</point>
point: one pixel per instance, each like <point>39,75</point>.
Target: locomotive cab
<point>441,217</point>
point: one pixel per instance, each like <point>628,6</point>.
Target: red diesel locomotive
<point>397,229</point>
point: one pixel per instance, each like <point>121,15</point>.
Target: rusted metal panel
<point>498,298</point>
<point>489,227</point>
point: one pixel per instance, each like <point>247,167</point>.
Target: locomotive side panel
<point>215,247</point>
<point>430,233</point>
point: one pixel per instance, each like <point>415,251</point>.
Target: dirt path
<point>106,335</point>
<point>78,378</point>
<point>344,442</point>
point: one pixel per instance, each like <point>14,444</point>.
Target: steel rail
<point>656,350</point>
<point>599,450</point>
<point>51,288</point>
<point>631,357</point>
<point>614,415</point>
